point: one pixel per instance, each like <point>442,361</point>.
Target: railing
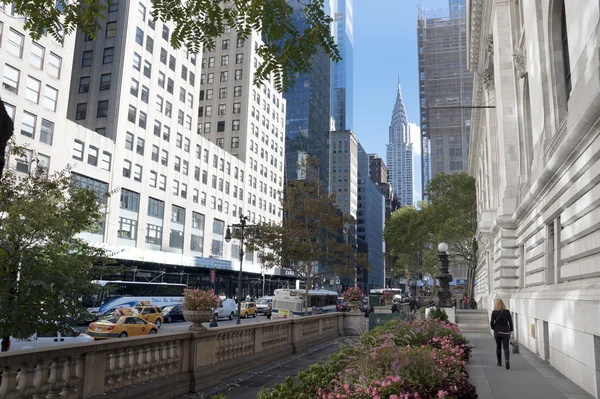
<point>165,365</point>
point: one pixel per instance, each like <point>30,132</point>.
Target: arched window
<point>559,58</point>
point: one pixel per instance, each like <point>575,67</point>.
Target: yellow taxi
<point>152,314</point>
<point>121,327</point>
<point>248,309</point>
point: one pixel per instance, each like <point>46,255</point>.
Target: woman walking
<point>502,325</point>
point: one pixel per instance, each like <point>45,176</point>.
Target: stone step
<point>471,318</point>
<point>471,311</point>
<point>473,327</point>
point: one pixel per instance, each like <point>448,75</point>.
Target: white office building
<point>246,120</point>
<point>343,170</point>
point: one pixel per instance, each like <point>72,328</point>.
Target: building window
<point>170,85</point>
<point>156,208</point>
<point>237,91</point>
<point>164,159</point>
<point>139,148</point>
<point>224,60</point>
<point>23,161</point>
<point>129,141</point>
<point>81,111</point>
<point>111,29</point>
<point>196,243</point>
<point>47,132</point>
<point>220,142</point>
<point>162,183</point>
<point>15,43</point>
<point>54,65</point>
<point>172,63</point>
<point>177,214</point>
<point>36,56</point>
<point>10,80</point>
<point>32,90</point>
<point>137,61</point>
<point>127,169</point>
<point>130,200</point>
<point>86,60</point>
<point>131,114</point>
<point>165,32</point>
<point>147,69</point>
<point>142,121</point>
<point>565,51</point>
<point>105,79</point>
<point>106,160</point>
<point>238,74</point>
<point>223,92</point>
<point>168,109</point>
<point>223,76</point>
<point>50,98</point>
<point>137,173</point>
<point>235,142</point>
<point>28,122</point>
<point>153,234</point>
<point>78,150</point>
<point>107,57</point>
<point>240,42</point>
<point>127,228</point>
<point>102,109</point>
<point>92,155</point>
<point>145,94</point>
<point>176,239</point>
<point>139,36</point>
<point>84,84</point>
<point>239,58</point>
<point>113,6</point>
<point>149,44</point>
<point>235,125</point>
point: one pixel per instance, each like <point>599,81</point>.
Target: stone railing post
<point>297,334</point>
<point>321,326</point>
<point>203,350</point>
<point>258,340</point>
<point>92,381</point>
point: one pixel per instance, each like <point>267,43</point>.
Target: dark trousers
<point>502,341</point>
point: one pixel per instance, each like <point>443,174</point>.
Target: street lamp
<point>444,296</point>
<point>242,226</point>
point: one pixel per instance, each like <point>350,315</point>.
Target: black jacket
<point>501,321</point>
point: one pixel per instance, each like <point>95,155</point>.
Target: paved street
<point>529,376</point>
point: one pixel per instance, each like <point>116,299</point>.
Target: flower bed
<point>422,359</point>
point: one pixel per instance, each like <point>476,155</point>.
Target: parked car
<point>49,339</point>
<point>172,312</point>
<point>264,305</point>
<point>121,327</point>
<point>152,314</point>
<point>342,306</point>
<point>227,308</point>
<point>248,309</point>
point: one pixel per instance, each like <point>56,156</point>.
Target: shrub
<point>438,313</point>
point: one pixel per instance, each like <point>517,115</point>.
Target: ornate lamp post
<point>242,226</point>
<point>444,295</point>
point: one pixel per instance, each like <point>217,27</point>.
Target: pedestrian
<point>473,303</point>
<point>502,324</point>
<point>465,302</point>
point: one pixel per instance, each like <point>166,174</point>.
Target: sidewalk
<point>529,376</point>
<point>247,385</point>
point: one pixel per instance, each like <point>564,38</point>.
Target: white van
<point>49,339</point>
<point>227,309</point>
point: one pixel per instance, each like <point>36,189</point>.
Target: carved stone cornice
<point>489,45</point>
<point>487,79</point>
<point>475,18</point>
<point>520,61</point>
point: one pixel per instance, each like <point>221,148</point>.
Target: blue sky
<point>385,44</point>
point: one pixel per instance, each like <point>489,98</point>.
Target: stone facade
<point>536,161</point>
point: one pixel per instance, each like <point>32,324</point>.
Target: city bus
<point>123,294</point>
<point>290,302</point>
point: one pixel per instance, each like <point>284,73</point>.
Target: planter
<point>197,317</point>
<point>354,305</point>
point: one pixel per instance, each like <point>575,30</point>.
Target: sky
<point>385,45</point>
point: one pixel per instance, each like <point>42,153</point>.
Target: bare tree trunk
<point>306,299</point>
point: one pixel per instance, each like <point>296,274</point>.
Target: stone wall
<point>536,161</point>
<point>165,365</point>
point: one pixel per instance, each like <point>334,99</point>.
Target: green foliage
<point>45,269</point>
<point>438,313</point>
<point>312,239</point>
<point>286,51</point>
<point>449,216</point>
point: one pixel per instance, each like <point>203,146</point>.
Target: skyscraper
<point>445,87</point>
<point>399,154</point>
<point>308,117</point>
<point>342,71</point>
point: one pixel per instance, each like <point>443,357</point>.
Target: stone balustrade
<point>164,365</point>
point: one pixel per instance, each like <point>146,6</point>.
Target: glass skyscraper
<point>308,118</point>
<point>342,72</point>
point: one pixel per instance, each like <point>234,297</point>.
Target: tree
<point>449,216</point>
<point>313,238</point>
<point>286,50</point>
<point>45,269</point>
